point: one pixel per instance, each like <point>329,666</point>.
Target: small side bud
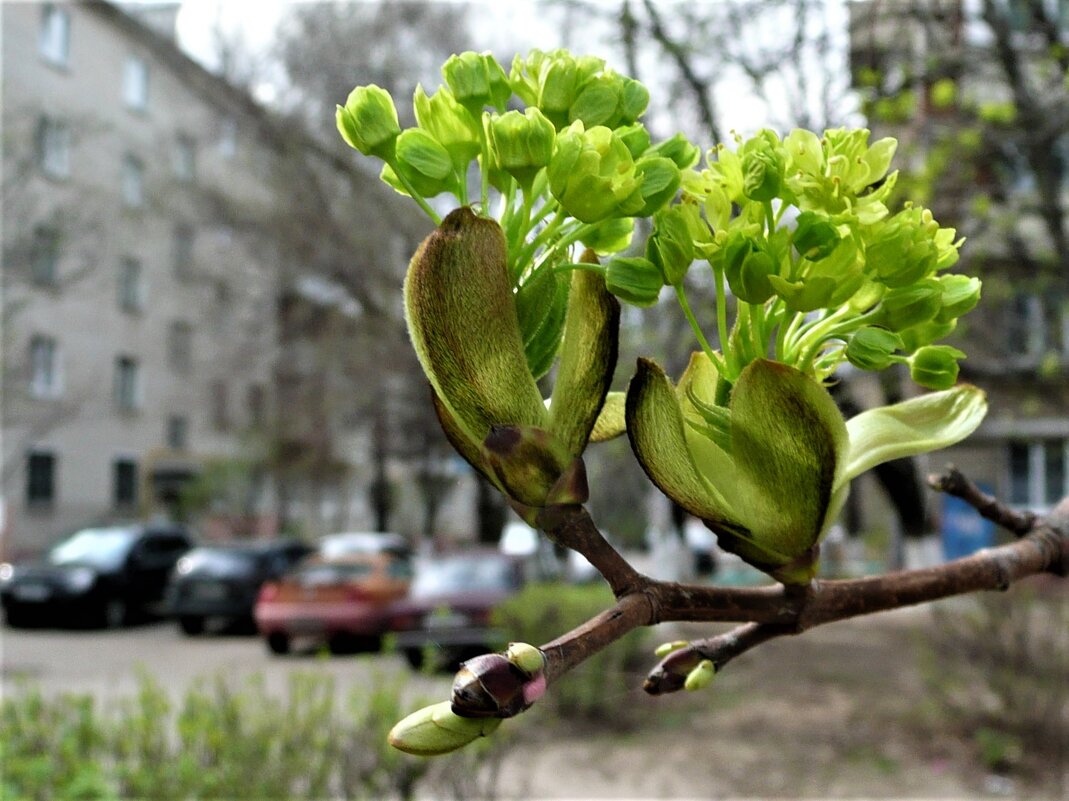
<point>935,366</point>
<point>665,648</point>
<point>701,677</point>
<point>526,657</point>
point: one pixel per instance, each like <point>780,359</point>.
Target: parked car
<point>219,583</point>
<point>447,614</point>
<point>333,546</point>
<point>343,602</point>
<point>106,576</point>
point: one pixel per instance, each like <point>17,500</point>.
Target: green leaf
<point>611,422</point>
<point>588,358</point>
<point>657,430</point>
<point>918,425</point>
<point>787,438</point>
<point>461,317</point>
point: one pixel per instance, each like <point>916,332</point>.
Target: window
<point>40,478</point>
<point>220,412</point>
<point>53,148</point>
<point>45,374</point>
<point>182,250</point>
<point>1037,325</point>
<point>124,482</point>
<point>177,432</point>
<point>228,138</point>
<point>133,182</point>
<point>55,35</point>
<point>257,403</point>
<point>185,158</point>
<point>1038,472</point>
<point>44,256</point>
<point>180,346</point>
<point>135,83</point>
<point>128,393</point>
<point>131,285</point>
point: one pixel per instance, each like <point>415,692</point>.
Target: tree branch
<point>774,611</point>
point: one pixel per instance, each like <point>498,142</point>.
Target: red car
<point>343,602</point>
<point>447,615</point>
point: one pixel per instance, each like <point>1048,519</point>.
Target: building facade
<point>976,94</point>
<point>139,330</point>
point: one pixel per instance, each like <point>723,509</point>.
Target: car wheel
<point>415,658</point>
<point>191,625</point>
<point>114,614</point>
<point>278,643</point>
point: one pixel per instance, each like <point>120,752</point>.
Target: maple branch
<point>775,611</point>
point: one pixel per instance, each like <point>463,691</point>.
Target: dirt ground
<point>840,712</point>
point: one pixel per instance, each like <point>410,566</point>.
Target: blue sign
<point>964,530</point>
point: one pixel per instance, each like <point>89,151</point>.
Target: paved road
<point>107,664</point>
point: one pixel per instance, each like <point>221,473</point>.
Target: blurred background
<point>201,303</point>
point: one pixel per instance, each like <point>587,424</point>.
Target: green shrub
<point>222,741</point>
<point>540,613</point>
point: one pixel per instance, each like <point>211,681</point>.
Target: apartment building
<point>939,75</point>
<point>139,331</point>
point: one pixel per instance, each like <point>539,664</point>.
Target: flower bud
<point>682,153</point>
<point>635,280</point>
<point>659,181</point>
<point>476,81</point>
<point>609,99</point>
<point>451,125</point>
<point>872,348</point>
<point>424,163</point>
<point>436,730</point>
<point>918,336</point>
<point>522,143</point>
<point>748,277</point>
<point>909,306</point>
<point>670,246</point>
<point>763,164</point>
<point>815,237</point>
<point>636,137</point>
<point>700,677</point>
<point>368,121</point>
<point>935,366</point>
<point>609,236</point>
<point>902,250</point>
<point>960,294</point>
<point>592,175</point>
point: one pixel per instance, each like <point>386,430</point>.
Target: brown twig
<point>774,611</point>
<point>953,482</point>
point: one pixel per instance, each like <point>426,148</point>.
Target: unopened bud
<point>665,648</point>
<point>700,677</point>
<point>526,657</point>
<point>368,121</point>
<point>935,366</point>
<point>436,730</point>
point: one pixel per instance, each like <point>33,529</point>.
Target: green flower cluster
<point>561,160</point>
<point>797,230</point>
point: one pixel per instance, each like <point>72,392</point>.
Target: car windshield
<point>219,561</point>
<point>463,574</point>
<point>336,573</point>
<point>104,548</point>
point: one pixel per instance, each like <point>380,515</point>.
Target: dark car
<point>106,576</point>
<point>447,615</point>
<point>218,584</point>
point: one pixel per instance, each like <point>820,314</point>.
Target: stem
<point>416,196</point>
<point>714,357</point>
<point>722,319</point>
